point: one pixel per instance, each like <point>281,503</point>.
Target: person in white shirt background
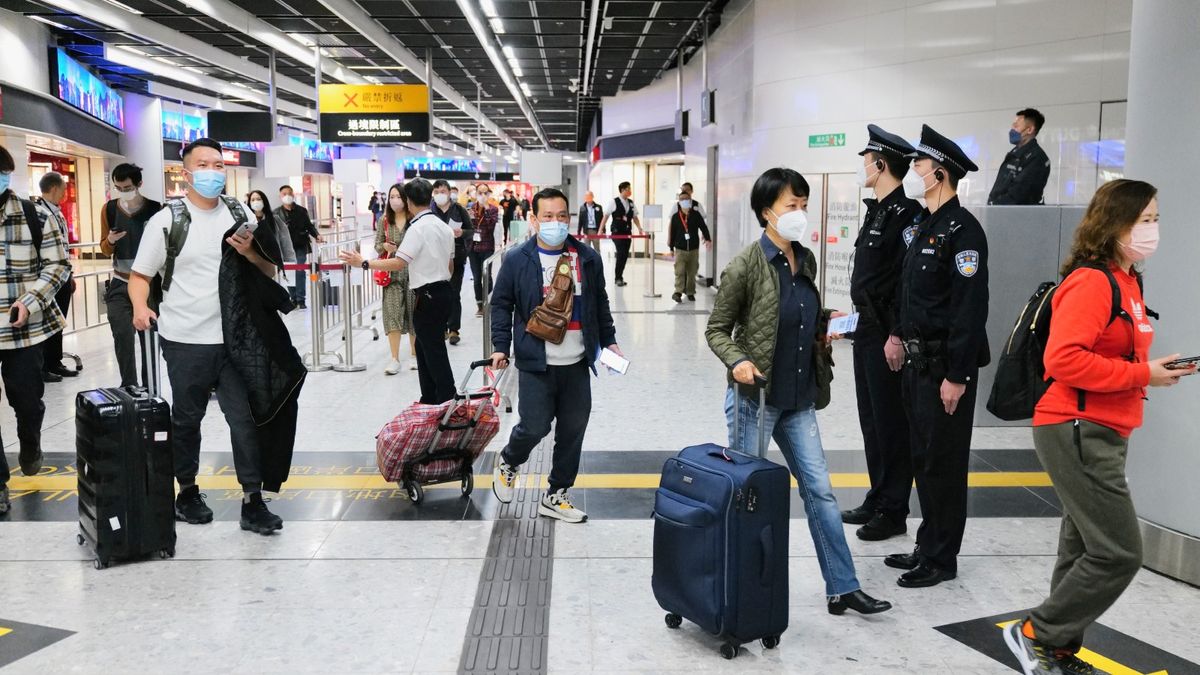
<point>427,252</point>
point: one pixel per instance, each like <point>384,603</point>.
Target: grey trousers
<point>195,371</point>
<point>1100,544</point>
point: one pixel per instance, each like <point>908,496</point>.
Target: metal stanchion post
<point>348,366</point>
<point>650,266</point>
<point>318,331</point>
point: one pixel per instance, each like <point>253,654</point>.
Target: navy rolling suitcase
<point>125,469</point>
<point>721,542</point>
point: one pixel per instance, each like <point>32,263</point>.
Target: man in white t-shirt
<point>193,343</point>
<point>428,252</point>
<point>554,380</point>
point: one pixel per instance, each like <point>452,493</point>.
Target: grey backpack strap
<point>181,221</point>
<point>235,210</point>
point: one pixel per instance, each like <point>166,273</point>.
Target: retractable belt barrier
<point>330,311</point>
<point>649,237</point>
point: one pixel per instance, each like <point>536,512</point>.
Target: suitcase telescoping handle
<point>150,360</point>
<point>761,383</point>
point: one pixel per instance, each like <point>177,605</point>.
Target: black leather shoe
<point>903,561</point>
<point>881,527</point>
<point>859,602</point>
<point>677,297</point>
<point>924,576</point>
<point>859,516</point>
<point>61,370</point>
<point>48,376</point>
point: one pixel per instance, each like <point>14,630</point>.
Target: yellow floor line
<point>636,481</point>
<point>1102,662</point>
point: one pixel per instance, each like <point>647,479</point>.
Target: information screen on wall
<point>374,113</point>
<point>78,87</point>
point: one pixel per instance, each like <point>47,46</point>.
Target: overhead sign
<point>827,140</point>
<point>374,113</point>
<point>231,157</point>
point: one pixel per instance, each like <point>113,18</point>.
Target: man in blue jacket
<point>554,380</point>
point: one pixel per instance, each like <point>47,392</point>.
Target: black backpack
<point>1021,372</point>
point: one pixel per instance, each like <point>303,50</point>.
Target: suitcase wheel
<point>80,540</point>
<point>729,650</point>
<point>674,621</point>
<point>100,564</point>
<point>468,483</point>
<point>166,553</point>
<point>415,493</point>
<point>770,642</point>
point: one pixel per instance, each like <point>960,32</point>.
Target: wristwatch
<point>366,265</point>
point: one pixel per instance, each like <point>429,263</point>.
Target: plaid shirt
<point>29,277</point>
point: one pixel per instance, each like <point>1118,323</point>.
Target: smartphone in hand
<point>1180,364</point>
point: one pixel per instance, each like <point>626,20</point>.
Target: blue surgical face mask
<point>209,183</point>
<point>5,182</point>
<point>685,203</point>
<point>552,232</point>
<point>1014,136</point>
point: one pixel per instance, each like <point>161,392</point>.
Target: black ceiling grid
<point>636,42</point>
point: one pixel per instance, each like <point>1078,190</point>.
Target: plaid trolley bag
<point>428,444</point>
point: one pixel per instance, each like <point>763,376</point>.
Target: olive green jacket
<point>745,318</point>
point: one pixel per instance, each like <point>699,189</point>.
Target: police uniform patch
<point>968,263</point>
<point>910,233</point>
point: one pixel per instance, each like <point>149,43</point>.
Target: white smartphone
<point>614,361</point>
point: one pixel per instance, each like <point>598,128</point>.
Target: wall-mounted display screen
<point>442,164</point>
<point>317,150</point>
<point>79,88</point>
<point>177,126</point>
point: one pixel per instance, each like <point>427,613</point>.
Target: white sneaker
<point>504,481</point>
<point>393,368</point>
<point>558,505</point>
<point>412,366</point>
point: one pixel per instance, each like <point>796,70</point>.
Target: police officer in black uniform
<point>1022,178</point>
<point>943,312</point>
<point>878,257</point>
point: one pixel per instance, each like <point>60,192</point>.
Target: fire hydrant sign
<point>374,113</point>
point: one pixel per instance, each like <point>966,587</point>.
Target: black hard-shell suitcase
<point>721,542</point>
<point>125,469</point>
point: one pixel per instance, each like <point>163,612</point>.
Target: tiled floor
<point>360,580</point>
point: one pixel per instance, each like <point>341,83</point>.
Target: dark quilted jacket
<point>260,347</point>
<point>745,318</point>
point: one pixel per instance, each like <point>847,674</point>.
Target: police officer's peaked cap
<point>944,151</point>
<point>887,143</point>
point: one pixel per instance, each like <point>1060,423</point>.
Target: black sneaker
<point>677,297</point>
<point>190,507</point>
<point>691,298</point>
<point>256,517</point>
<point>881,527</point>
<point>1071,664</point>
<point>5,503</point>
<point>62,371</point>
<point>453,338</point>
<point>31,463</point>
<point>858,516</point>
<point>49,377</point>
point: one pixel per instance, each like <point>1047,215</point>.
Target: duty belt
<point>925,357</point>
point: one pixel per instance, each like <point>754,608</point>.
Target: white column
<point>14,142</point>
<point>1161,139</point>
<point>143,142</point>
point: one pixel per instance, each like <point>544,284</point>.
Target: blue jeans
<point>300,287</point>
<point>796,433</point>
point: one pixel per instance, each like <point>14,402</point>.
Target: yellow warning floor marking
<point>5,631</point>
<point>1102,662</point>
<point>634,481</point>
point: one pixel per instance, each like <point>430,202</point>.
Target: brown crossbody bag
<point>549,319</point>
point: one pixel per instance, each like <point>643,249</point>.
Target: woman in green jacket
<point>767,322</point>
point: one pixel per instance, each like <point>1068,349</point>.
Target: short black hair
<point>439,183</point>
<point>50,181</point>
<point>418,192</point>
<point>688,186</point>
<point>127,171</point>
<point>550,193</point>
<point>770,185</point>
<point>623,186</point>
<point>1035,116</point>
<point>200,143</point>
<point>285,187</point>
<point>6,160</point>
<point>896,166</point>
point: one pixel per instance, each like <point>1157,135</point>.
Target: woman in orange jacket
<point>1098,358</point>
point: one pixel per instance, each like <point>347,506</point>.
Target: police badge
<point>968,263</point>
